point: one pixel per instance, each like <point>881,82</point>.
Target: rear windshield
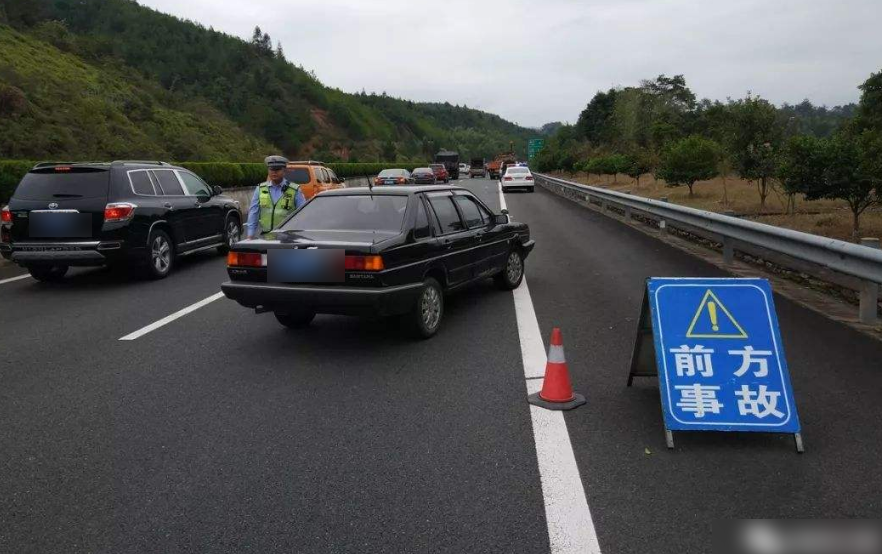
<point>391,173</point>
<point>422,170</point>
<point>73,184</point>
<point>518,170</point>
<point>299,175</point>
<point>350,213</point>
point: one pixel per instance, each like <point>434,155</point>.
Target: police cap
<point>276,162</point>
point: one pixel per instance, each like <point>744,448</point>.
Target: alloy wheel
<point>161,254</point>
<point>430,307</point>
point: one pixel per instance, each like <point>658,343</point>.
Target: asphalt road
<point>224,432</point>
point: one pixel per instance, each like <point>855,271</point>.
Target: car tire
<point>513,273</point>
<point>295,320</point>
<point>160,255</point>
<point>48,273</point>
<point>425,318</point>
<point>232,234</point>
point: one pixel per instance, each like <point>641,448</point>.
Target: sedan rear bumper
<point>381,301</point>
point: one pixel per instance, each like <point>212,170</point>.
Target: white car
<point>517,177</point>
<point>463,169</point>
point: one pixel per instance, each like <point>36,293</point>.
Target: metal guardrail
<point>861,262</point>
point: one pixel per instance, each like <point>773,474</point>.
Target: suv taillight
<point>6,216</point>
<point>119,211</point>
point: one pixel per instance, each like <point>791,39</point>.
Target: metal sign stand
<point>644,364</point>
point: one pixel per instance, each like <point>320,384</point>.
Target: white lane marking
<point>502,205</point>
<point>11,279</point>
<point>168,319</point>
<point>570,527</point>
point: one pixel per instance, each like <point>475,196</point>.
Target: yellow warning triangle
<point>708,319</point>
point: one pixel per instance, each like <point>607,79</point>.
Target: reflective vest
<point>273,214</point>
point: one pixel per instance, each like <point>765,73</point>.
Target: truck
<point>478,167</point>
<point>450,161</point>
<point>494,168</point>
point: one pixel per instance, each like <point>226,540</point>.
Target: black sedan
<point>424,176</point>
<point>386,251</point>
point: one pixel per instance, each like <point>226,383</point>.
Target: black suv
<point>123,212</point>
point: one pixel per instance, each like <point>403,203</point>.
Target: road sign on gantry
<point>718,356</point>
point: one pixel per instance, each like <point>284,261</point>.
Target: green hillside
<point>109,78</point>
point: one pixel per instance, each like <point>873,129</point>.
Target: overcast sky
<point>542,60</point>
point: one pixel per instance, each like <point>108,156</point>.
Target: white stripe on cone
<point>556,354</point>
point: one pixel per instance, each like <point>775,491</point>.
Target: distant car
<point>478,168</point>
<point>463,169</point>
<point>518,178</point>
<point>382,252</point>
<point>123,213</point>
<point>424,176</point>
<point>313,177</point>
<point>393,177</point>
<point>441,173</point>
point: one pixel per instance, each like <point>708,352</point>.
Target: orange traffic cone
<point>557,391</point>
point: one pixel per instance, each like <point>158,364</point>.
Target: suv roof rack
<point>50,164</point>
<point>145,162</point>
<point>306,162</point>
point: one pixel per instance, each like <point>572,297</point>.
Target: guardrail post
<point>869,292</point>
<point>662,224</point>
<point>628,214</point>
<point>728,251</point>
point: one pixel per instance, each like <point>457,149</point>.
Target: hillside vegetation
<point>159,86</point>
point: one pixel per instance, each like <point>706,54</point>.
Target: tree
<point>637,165</point>
<point>279,52</point>
<point>689,160</point>
<point>803,166</point>
<point>594,121</point>
<point>853,173</point>
<point>755,141</point>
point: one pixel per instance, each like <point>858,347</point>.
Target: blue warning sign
<point>720,360</point>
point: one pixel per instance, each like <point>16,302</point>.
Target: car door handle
<point>448,243</point>
<point>169,206</point>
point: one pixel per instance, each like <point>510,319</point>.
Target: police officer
<point>273,200</point>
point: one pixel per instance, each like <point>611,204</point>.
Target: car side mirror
<point>341,179</point>
<point>217,190</point>
<point>501,219</point>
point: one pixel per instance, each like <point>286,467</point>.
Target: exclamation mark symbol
<point>712,310</point>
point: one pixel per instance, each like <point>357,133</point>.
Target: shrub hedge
<point>223,174</point>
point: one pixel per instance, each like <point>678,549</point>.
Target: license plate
<point>60,225</point>
<point>305,265</point>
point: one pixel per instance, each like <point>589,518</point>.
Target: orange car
<point>313,177</point>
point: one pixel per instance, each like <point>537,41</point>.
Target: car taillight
<point>6,215</point>
<point>246,259</point>
<point>364,263</point>
<point>528,178</point>
<point>120,211</point>
<point>400,180</point>
<point>378,181</point>
<point>506,178</point>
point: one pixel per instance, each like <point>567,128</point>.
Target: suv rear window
<point>299,175</point>
<point>384,213</point>
<point>83,183</point>
<point>169,183</point>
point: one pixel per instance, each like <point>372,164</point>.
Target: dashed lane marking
<point>168,319</point>
<point>570,527</point>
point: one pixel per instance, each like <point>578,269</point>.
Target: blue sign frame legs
<point>717,351</point>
